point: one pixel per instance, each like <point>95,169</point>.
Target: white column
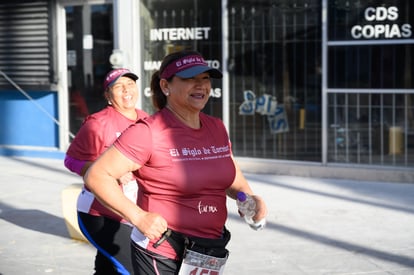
<point>127,44</point>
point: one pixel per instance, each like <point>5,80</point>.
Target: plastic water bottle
<point>247,206</point>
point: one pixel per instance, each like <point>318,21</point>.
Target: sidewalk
<point>315,226</point>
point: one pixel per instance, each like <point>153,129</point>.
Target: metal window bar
<point>243,50</point>
<point>277,30</point>
<point>252,17</point>
<point>392,108</point>
<point>40,107</point>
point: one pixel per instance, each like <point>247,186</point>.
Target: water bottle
<point>247,206</point>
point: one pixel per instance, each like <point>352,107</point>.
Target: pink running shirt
<point>185,173</point>
<point>97,133</point>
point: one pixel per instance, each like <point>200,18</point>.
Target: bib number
<point>195,263</point>
<point>131,190</point>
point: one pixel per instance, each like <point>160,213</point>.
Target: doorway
<point>89,42</point>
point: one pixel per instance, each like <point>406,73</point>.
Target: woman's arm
<point>240,184</point>
<point>101,179</point>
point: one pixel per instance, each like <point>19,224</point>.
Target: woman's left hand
<point>261,208</point>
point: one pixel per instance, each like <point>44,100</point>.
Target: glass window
<point>371,48</point>
<point>373,66</point>
<point>275,79</point>
<point>89,45</point>
<point>168,26</point>
<point>369,128</point>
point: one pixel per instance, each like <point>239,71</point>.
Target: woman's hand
<point>152,225</point>
<point>261,208</point>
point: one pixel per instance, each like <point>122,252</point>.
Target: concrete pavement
<point>315,226</point>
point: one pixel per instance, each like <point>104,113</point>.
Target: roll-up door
<point>25,44</point>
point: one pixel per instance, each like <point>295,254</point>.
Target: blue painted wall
<point>23,123</point>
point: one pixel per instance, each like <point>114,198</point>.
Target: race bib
<point>195,263</point>
<point>130,190</point>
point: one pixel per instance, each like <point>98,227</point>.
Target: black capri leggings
<point>148,263</point>
<point>112,239</point>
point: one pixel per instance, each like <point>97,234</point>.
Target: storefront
<point>315,81</point>
<point>369,84</point>
<point>320,83</point>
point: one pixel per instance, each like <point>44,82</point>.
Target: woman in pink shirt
<point>185,170</point>
<point>107,231</point>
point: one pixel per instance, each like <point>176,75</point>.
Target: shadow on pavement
<point>34,219</point>
<point>364,188</point>
<point>403,260</point>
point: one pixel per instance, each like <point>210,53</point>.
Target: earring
<point>109,102</point>
<point>167,93</point>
